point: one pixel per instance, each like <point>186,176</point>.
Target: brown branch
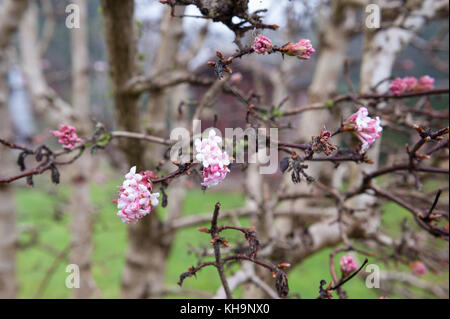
<point>433,206</point>
<point>182,169</point>
<point>216,244</point>
<point>141,136</point>
<point>417,213</point>
<point>140,84</point>
<point>253,260</point>
<point>370,96</point>
<point>51,270</point>
<point>217,241</point>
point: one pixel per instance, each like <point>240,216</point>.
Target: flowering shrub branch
<point>137,196</point>
<point>263,45</point>
<point>281,281</point>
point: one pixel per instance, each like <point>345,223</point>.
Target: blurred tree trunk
<point>8,236</point>
<point>335,32</point>
<point>8,287</point>
<point>120,35</point>
<point>46,102</point>
<point>165,61</point>
<point>143,275</point>
<point>122,54</point>
<point>148,248</point>
<point>80,201</point>
<point>163,115</point>
<point>11,12</point>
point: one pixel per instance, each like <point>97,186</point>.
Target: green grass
<point>42,208</point>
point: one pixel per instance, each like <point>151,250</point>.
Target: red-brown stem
<point>216,244</point>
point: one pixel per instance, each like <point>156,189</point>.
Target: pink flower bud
<point>302,49</point>
<point>348,265</point>
<point>425,83</point>
<point>398,86</point>
<point>418,268</point>
<point>410,83</point>
<point>262,45</point>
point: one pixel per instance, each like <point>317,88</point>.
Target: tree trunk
<point>8,236</point>
<point>121,43</point>
<point>80,201</point>
<point>143,275</point>
<point>11,12</point>
<point>149,248</point>
<point>45,101</point>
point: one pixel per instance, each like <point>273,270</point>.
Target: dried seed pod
<point>165,199</point>
<point>284,164</point>
<point>54,174</point>
<point>21,160</point>
<point>281,284</point>
<point>253,242</point>
<point>39,154</point>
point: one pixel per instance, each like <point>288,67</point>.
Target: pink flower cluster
<point>411,84</point>
<point>135,197</point>
<point>418,268</point>
<point>214,160</point>
<point>366,128</point>
<point>262,45</point>
<point>67,136</point>
<point>348,265</point>
<point>302,49</point>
